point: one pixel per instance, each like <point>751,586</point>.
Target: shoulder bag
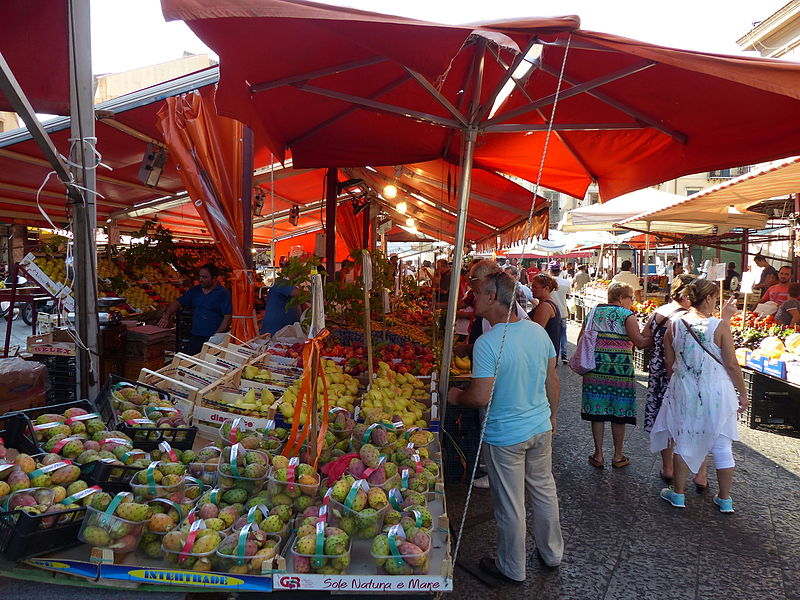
<point>583,360</point>
<point>697,339</point>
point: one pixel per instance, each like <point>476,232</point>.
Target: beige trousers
<point>513,470</point>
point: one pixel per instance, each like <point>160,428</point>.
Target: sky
<point>127,34</point>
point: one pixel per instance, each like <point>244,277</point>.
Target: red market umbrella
<point>34,43</point>
<point>343,87</point>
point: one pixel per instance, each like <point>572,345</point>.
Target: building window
<point>691,191</point>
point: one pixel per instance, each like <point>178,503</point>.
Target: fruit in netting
<point>302,564</point>
<point>133,511</point>
<point>306,544</point>
<point>376,498</point>
<point>283,512</point>
<point>125,544</point>
<point>153,549</point>
<point>208,510</point>
<point>369,455</point>
<point>18,480</point>
<point>206,543</point>
<point>65,475</point>
<point>160,523</point>
<point>359,501</point>
<point>96,536</point>
<point>25,463</point>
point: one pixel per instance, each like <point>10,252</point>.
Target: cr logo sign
<point>290,583</point>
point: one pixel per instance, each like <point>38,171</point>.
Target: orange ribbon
<point>306,400</point>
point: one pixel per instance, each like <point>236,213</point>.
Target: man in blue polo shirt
<point>519,429</point>
<point>212,308</point>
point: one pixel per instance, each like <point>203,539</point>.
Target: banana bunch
<point>461,365</point>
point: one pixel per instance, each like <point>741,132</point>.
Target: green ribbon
<point>395,499</point>
<point>396,531</point>
<point>234,455</point>
<point>112,506</point>
<point>318,560</point>
<point>82,494</point>
<point>351,495</point>
<point>151,479</point>
<point>241,543</point>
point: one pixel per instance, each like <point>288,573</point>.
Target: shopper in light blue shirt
<point>521,420</point>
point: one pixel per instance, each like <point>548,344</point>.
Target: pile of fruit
<point>342,392</point>
<point>395,396</point>
<point>461,365</point>
<point>143,411</point>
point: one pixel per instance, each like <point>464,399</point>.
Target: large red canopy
<point>341,87</point>
<point>34,41</point>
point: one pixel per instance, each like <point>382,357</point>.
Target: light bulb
<point>409,222</point>
<point>401,207</point>
<point>389,192</point>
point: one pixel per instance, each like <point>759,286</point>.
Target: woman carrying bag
<point>705,392</point>
<point>609,386</point>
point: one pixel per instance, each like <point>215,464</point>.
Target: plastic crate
<point>19,425</point>
<point>23,535</point>
<point>641,359</point>
<point>112,478</point>
<point>144,439</point>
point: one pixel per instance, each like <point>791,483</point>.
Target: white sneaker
<point>482,483</point>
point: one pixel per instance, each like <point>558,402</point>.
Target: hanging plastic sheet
<point>208,151</point>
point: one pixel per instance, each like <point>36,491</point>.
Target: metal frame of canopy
<point>77,175</point>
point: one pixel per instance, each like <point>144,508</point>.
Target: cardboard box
<point>775,367</point>
<point>55,343</point>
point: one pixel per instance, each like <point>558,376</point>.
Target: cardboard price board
<point>63,565</point>
<point>375,584</point>
<point>175,577</point>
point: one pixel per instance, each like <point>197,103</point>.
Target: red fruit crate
<point>144,439</point>
<point>23,536</point>
<point>19,425</point>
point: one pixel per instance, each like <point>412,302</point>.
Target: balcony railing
<point>729,173</point>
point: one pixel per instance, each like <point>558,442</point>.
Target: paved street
<point>623,542</point>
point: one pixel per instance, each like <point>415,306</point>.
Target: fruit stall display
<point>233,512</point>
<point>593,293</point>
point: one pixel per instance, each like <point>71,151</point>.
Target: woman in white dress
<point>706,389</point>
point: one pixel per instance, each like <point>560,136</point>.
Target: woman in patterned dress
<point>657,380</point>
<point>609,391</point>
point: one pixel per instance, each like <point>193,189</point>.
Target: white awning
<point>726,205</point>
<point>606,216</point>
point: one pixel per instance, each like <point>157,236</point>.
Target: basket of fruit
<point>356,508</point>
<point>321,549</point>
<point>243,469</point>
<point>36,521</point>
<point>145,413</point>
<point>159,480</point>
<point>402,551</point>
<point>33,428</point>
<point>247,551</point>
<point>115,523</point>
<point>291,478</point>
<point>193,549</point>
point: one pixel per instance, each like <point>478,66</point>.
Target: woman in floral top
<point>609,391</point>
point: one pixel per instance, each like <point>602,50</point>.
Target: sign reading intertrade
<point>208,580</point>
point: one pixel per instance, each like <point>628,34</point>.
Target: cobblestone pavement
<point>623,542</point>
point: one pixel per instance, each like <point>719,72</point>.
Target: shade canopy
<point>34,42</point>
<point>343,87</point>
<point>726,204</point>
<point>606,216</point>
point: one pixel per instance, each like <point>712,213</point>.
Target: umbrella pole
<point>646,260</point>
<point>84,210</point>
<point>470,136</point>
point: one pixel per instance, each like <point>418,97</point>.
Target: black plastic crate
<point>144,439</point>
<point>460,442</point>
<point>776,407</point>
<point>23,535</point>
<point>113,478</point>
<point>641,359</point>
<point>19,425</point>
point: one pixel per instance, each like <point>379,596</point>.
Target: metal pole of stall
<point>83,195</point>
<point>470,136</point>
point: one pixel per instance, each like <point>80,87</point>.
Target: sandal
<point>621,462</point>
<point>599,464</point>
